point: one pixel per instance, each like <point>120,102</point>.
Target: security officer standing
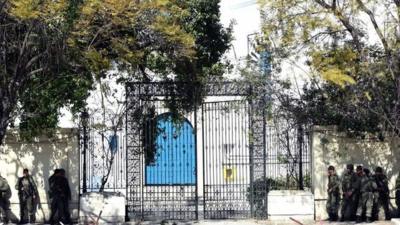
<point>27,193</point>
<point>5,195</point>
<point>349,180</point>
<point>382,193</point>
<point>53,196</point>
<point>60,195</point>
<point>66,197</point>
<point>332,205</point>
<point>366,200</point>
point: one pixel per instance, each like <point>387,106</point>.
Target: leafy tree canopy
<point>52,52</point>
<point>352,50</point>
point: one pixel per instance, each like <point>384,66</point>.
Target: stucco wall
<point>41,157</point>
<point>332,148</point>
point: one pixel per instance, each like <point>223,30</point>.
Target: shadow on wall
<point>332,148</point>
<point>368,152</point>
<point>41,157</point>
<point>102,208</point>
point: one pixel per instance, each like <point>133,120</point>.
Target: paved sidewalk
<point>247,222</point>
<point>258,222</point>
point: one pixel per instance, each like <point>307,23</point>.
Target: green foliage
<point>42,100</point>
<point>38,76</point>
<point>212,40</point>
<point>54,51</point>
<point>353,78</point>
<point>335,65</point>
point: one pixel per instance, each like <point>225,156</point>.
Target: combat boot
<point>358,219</point>
<point>369,220</point>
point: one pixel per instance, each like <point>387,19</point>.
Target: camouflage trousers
<point>366,201</point>
<point>332,205</point>
<point>27,209</point>
<point>349,206</point>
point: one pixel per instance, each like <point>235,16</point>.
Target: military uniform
<point>382,197</point>
<point>368,186</point>
<point>350,188</point>
<point>5,195</point>
<point>332,205</point>
<point>27,192</point>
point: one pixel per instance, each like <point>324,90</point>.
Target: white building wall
<point>41,157</point>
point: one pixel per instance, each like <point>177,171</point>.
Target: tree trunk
<point>6,108</point>
<point>4,119</point>
<point>3,129</point>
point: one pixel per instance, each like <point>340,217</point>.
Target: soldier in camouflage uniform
<point>382,197</point>
<point>27,193</point>
<point>398,194</point>
<point>349,189</point>
<point>5,195</point>
<point>366,201</point>
<point>332,205</point>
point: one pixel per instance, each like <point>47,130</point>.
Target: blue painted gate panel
<point>175,162</point>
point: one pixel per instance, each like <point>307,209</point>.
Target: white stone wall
<point>283,205</point>
<point>41,157</point>
<point>330,147</point>
<point>102,208</point>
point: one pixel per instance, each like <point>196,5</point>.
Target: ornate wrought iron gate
<point>164,177</point>
<point>217,162</point>
<point>226,159</point>
<point>162,181</point>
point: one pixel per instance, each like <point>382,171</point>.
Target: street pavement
<point>258,222</point>
<point>247,222</point>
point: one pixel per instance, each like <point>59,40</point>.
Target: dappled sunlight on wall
<point>41,157</point>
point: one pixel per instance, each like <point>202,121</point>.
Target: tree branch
<point>34,72</point>
<point>375,24</point>
<point>33,60</point>
<point>2,4</point>
<point>345,21</point>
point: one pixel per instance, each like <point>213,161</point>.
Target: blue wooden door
<point>175,158</point>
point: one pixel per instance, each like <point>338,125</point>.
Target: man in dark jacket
<point>66,197</point>
<point>60,194</point>
<point>27,193</point>
<point>51,192</point>
<point>51,182</point>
